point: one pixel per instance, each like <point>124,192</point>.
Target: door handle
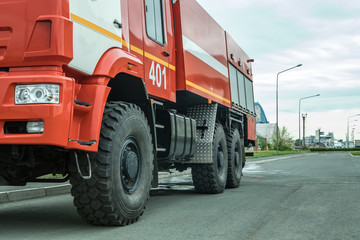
<point>166,54</point>
<point>117,24</point>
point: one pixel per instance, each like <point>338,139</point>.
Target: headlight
<point>37,94</point>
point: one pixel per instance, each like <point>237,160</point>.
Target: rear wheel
<point>118,190</point>
<point>211,178</point>
<point>236,158</point>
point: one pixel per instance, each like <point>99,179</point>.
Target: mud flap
<point>205,116</point>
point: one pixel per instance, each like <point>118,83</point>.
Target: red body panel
<point>251,123</point>
<point>238,58</point>
<point>236,54</point>
<point>201,53</point>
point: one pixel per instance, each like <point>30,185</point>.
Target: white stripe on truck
<point>201,54</point>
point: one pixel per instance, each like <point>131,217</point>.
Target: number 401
<point>156,74</point>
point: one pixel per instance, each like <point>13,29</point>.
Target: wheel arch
<point>126,84</point>
<point>128,88</point>
<point>131,89</point>
<point>115,61</point>
<point>95,89</point>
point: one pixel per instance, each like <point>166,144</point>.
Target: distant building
<point>260,114</point>
<point>321,140</point>
<point>264,129</point>
<point>310,140</point>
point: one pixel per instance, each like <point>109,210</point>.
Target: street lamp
<point>300,144</point>
<point>277,106</point>
<point>347,135</point>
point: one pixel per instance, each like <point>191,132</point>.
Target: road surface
<point>309,197</point>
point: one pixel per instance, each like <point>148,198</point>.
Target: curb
<point>33,193</point>
<point>355,156</point>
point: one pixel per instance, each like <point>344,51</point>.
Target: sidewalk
<point>39,190</point>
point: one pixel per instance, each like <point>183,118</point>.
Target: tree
<point>297,142</point>
<point>261,143</point>
<point>285,140</point>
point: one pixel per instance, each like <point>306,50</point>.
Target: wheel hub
<point>220,158</point>
<point>237,159</point>
<point>131,165</point>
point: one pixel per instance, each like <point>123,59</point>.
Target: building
<point>264,129</point>
<point>321,140</point>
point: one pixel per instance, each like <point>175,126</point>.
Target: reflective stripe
<point>137,50</point>
<point>191,84</point>
<point>97,28</point>
<point>201,54</point>
<point>113,36</point>
<point>156,59</point>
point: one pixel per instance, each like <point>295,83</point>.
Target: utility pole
<point>299,116</point>
<point>304,116</point>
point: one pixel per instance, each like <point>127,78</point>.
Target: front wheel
<point>118,190</point>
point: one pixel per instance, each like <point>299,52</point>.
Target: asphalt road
<point>309,197</point>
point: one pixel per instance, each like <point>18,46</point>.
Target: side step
<point>158,126</point>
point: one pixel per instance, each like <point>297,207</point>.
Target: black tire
<point>118,190</point>
<point>211,178</point>
<point>236,155</point>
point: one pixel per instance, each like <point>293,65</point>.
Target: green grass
<point>273,153</point>
<point>356,153</point>
<point>50,176</point>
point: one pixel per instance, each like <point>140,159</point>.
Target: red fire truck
<point>109,93</point>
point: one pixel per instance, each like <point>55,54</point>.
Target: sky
<point>323,36</point>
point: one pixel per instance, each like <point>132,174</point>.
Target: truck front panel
<point>35,33</point>
<point>15,118</point>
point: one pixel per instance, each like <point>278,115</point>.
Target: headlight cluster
<point>37,94</point>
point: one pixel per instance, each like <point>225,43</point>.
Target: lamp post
<point>300,144</point>
<point>347,134</point>
<point>277,105</point>
<point>304,117</point>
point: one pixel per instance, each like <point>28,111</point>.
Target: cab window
<point>154,20</point>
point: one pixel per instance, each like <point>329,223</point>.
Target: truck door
<point>159,49</point>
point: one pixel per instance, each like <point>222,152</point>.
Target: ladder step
<point>161,149</point>
<point>159,126</point>
<point>158,103</point>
